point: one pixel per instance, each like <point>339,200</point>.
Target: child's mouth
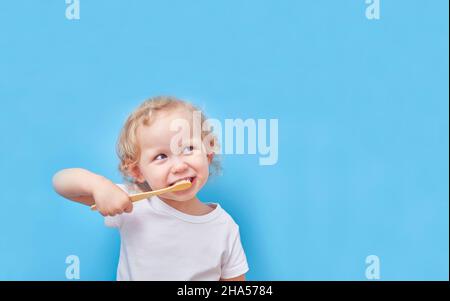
<point>190,179</point>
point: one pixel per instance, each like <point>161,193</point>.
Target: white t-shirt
<point>159,242</point>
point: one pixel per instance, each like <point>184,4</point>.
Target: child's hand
<point>110,199</point>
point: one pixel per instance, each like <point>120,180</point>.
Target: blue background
<point>363,127</point>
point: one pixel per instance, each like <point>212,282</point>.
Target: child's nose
<point>179,166</point>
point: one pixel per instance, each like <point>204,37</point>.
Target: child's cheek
<point>155,182</point>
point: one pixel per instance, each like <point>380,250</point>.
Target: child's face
<point>160,166</point>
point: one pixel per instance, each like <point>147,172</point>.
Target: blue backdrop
<point>363,127</point>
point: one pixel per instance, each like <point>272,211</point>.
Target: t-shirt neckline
<point>159,205</point>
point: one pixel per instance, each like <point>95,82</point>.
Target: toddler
<point>173,236</point>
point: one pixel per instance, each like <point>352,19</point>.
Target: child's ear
<point>210,157</point>
<point>210,150</point>
<point>136,174</point>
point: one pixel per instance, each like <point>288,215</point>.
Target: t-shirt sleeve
<point>235,262</point>
<point>115,221</point>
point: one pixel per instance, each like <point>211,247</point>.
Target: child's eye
<point>188,149</point>
<point>160,157</point>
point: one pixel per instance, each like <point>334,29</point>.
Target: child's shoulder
<point>226,217</point>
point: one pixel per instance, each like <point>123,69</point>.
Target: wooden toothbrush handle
<point>143,195</point>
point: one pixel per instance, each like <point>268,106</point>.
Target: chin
<point>180,197</point>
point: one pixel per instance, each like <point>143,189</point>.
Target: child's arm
<point>76,184</point>
<point>83,186</point>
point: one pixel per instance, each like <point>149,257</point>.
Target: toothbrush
<point>180,185</point>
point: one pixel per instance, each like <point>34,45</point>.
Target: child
<point>173,236</point>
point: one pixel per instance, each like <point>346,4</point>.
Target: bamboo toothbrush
<point>180,185</point>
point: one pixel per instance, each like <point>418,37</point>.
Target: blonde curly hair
<point>128,149</point>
